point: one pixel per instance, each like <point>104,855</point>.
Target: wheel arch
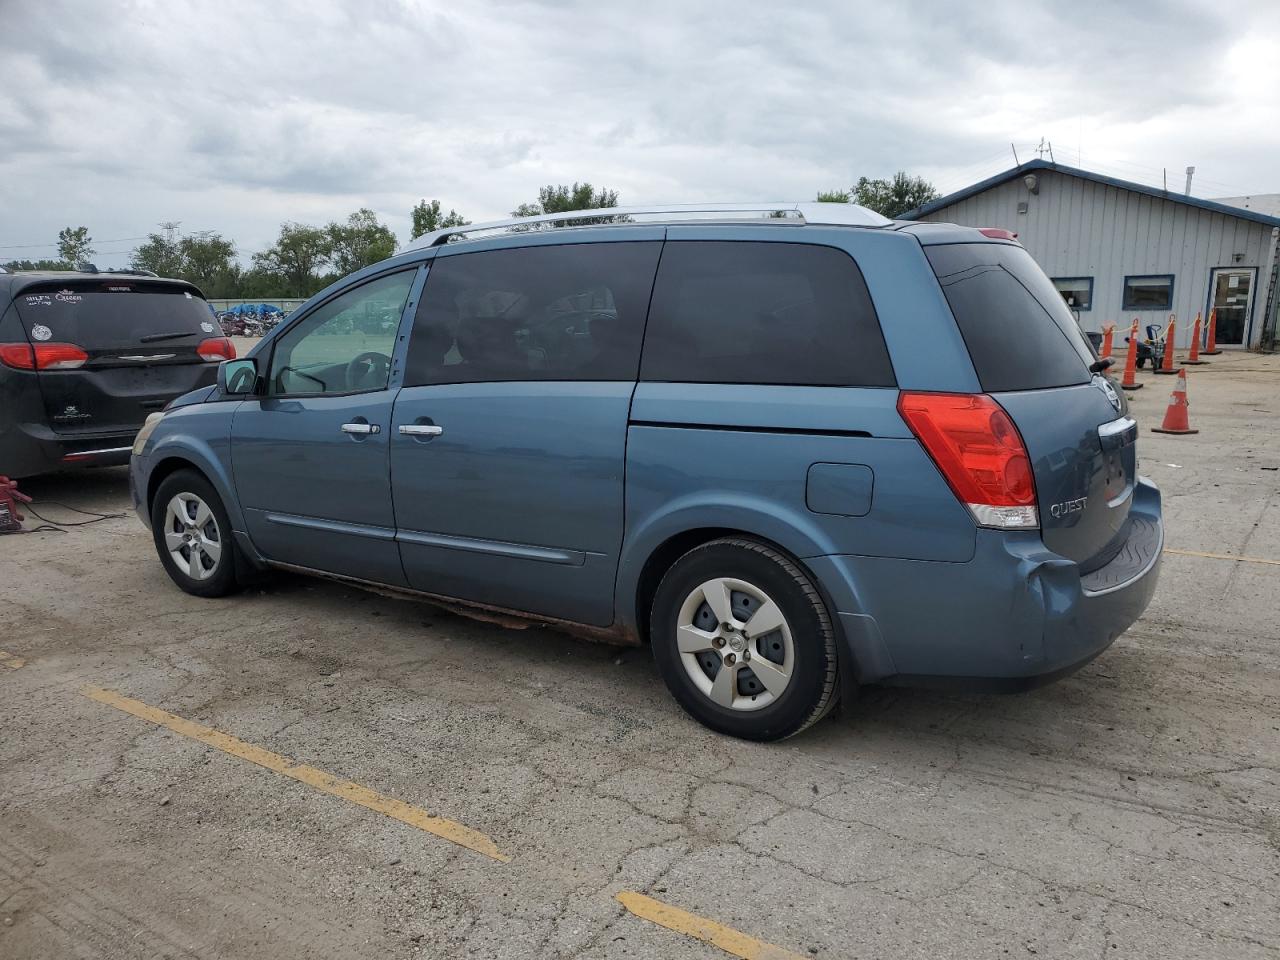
<point>184,453</point>
<point>666,553</point>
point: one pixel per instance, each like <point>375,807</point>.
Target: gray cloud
<point>239,115</point>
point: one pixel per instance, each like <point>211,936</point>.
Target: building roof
<point>1033,165</point>
<point>1268,203</point>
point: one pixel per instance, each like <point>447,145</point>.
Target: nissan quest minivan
<point>794,449</point>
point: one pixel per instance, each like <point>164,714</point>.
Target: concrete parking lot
<point>306,770</point>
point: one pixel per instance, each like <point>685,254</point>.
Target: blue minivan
<point>794,449</point>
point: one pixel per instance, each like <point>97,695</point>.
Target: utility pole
<point>1191,171</point>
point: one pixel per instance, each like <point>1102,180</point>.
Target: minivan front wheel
<point>744,641</point>
<point>193,535</point>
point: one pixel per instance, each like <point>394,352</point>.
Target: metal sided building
<point>1118,250</point>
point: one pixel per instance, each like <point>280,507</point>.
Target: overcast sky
<point>233,117</point>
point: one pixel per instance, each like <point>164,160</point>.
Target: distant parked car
<point>85,357</point>
<point>792,453</point>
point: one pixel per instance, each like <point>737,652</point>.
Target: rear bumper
<point>28,449</point>
<point>1016,616</point>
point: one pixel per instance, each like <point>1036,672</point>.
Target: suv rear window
<point>762,312</point>
<point>1019,331</point>
<point>108,314</point>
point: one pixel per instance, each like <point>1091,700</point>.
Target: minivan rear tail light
<point>979,452</point>
<point>216,348</point>
<point>42,356</point>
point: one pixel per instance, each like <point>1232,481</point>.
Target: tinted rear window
<point>104,314</point>
<point>562,312</point>
<point>1018,329</point>
<point>767,313</point>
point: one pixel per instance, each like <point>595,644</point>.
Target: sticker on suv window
<point>206,326</point>
<point>40,332</point>
<point>67,296</point>
<point>39,300</point>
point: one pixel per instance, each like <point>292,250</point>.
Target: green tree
<point>13,266</point>
<point>562,199</point>
<point>358,242</point>
<point>209,261</point>
<point>206,259</point>
<point>893,198</point>
<point>74,245</point>
<point>889,198</point>
<point>429,217</point>
<point>296,259</point>
<point>258,283</point>
<point>161,254</point>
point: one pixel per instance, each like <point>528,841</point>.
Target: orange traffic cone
<point>1130,381</point>
<point>1193,358</point>
<point>1107,333</point>
<point>1166,366</point>
<point>1175,417</point>
<point>1211,348</point>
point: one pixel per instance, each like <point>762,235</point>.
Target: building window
<point>1148,293</point>
<point>1077,291</point>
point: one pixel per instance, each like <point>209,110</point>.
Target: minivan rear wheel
<point>193,535</point>
<point>744,640</point>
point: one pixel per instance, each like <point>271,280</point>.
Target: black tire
<point>813,687</point>
<point>220,577</point>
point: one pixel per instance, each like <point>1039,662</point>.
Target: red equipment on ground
<point>1193,358</point>
<point>1175,417</point>
<point>1130,381</point>
<point>10,517</point>
<point>1211,348</point>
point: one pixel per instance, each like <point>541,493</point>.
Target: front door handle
<point>361,429</point>
<point>421,429</point>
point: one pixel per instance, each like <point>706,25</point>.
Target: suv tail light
<point>980,453</point>
<point>216,348</point>
<point>42,356</point>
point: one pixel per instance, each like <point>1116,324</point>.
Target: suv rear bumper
<point>1015,617</point>
<point>28,449</point>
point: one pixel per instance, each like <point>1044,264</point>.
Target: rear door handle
<point>361,429</point>
<point>421,429</point>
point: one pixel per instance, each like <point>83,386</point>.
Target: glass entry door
<point>1231,294</point>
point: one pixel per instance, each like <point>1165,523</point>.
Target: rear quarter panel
<point>738,457</point>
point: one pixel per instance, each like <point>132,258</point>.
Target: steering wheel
<point>367,370</point>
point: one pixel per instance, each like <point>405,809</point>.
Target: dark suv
<point>85,357</point>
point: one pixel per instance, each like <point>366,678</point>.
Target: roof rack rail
<point>788,212</point>
<point>124,271</point>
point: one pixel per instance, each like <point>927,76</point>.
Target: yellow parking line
<point>1220,556</point>
<point>700,928</point>
<point>449,830</point>
<point>11,661</point>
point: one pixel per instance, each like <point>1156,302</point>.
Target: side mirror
<point>238,376</point>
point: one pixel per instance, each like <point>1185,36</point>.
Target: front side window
<point>1148,293</point>
<point>1076,291</point>
<point>344,345</point>
<point>763,313</point>
<point>555,312</point>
